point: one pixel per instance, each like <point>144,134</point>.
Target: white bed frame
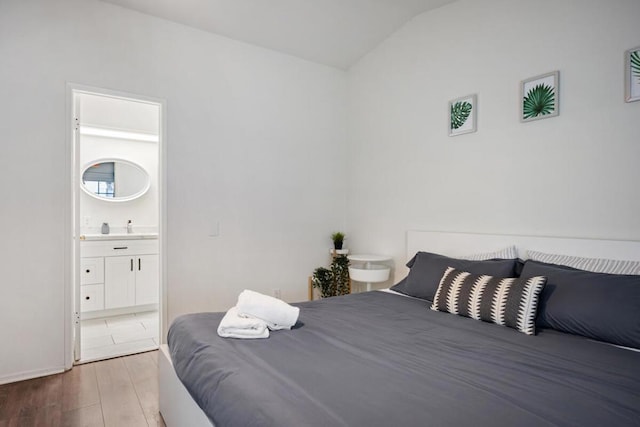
<point>462,244</point>
<point>176,404</point>
<point>179,409</point>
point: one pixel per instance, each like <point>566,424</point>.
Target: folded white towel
<point>276,313</point>
<point>233,325</point>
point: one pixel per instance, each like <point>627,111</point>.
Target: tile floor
<point>119,335</point>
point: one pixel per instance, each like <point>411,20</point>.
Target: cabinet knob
<point>87,298</point>
<point>88,271</point>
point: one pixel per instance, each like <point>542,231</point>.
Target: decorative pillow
<point>510,302</point>
<point>510,252</point>
<point>605,307</point>
<point>595,265</point>
<point>427,270</point>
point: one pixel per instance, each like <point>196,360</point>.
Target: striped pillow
<point>510,252</point>
<point>510,302</point>
<point>594,265</point>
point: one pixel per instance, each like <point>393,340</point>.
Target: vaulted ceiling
<point>331,32</point>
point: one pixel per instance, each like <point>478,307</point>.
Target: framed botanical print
<point>632,75</point>
<point>463,113</point>
<point>539,97</point>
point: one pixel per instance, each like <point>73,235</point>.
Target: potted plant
<point>340,275</point>
<point>334,281</point>
<point>338,239</point>
<point>322,279</point>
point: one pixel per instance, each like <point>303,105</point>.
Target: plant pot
<point>337,245</point>
<point>338,251</point>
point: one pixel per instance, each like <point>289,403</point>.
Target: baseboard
<point>28,375</point>
<point>87,315</point>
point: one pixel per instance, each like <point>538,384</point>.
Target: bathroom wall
<point>110,113</point>
<point>143,212</point>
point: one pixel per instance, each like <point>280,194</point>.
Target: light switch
<point>214,229</point>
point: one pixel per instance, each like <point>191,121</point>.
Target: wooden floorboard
<point>144,375</point>
<point>80,387</point>
<point>87,416</point>
<point>120,404</point>
<point>116,392</point>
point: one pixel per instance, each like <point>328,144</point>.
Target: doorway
<point>117,250</point>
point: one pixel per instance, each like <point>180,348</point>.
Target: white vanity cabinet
<point>130,280</point>
<point>119,274</point>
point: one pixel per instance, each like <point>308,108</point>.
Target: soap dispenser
<point>129,227</point>
<point>105,228</point>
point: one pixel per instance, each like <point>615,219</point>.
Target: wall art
<point>463,114</point>
<point>539,97</point>
<point>632,74</point>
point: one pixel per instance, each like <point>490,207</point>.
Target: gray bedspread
<point>378,359</point>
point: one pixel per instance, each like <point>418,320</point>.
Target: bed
<point>382,358</point>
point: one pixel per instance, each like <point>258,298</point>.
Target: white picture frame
<point>540,97</point>
<point>463,115</point>
<point>632,75</point>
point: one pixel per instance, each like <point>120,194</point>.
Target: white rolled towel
<point>276,313</point>
<point>233,325</point>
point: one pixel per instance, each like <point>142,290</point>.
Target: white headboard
<point>461,244</point>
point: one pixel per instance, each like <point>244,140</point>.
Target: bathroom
<point>117,217</point>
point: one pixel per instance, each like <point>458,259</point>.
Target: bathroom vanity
<point>118,274</point>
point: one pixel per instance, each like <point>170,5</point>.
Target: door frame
<point>72,213</point>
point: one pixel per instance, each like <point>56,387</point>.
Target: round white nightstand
<point>367,270</point>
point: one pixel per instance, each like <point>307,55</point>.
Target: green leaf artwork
<point>635,64</point>
<point>539,101</point>
<point>460,112</point>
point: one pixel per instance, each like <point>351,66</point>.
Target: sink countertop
<point>119,236</point>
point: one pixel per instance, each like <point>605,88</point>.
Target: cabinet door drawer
<point>119,282</point>
<point>91,270</point>
<point>147,279</point>
<point>92,297</point>
<point>118,247</point>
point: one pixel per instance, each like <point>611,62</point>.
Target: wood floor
<point>118,392</point>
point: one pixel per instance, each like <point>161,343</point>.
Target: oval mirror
<point>115,180</point>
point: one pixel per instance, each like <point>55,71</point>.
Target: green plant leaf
<point>322,279</point>
<point>340,275</point>
<point>635,64</point>
<point>333,281</point>
<point>539,101</point>
<point>460,112</point>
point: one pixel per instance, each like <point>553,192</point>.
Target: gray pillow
<point>605,307</point>
<point>427,269</point>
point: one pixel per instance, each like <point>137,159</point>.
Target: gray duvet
<point>378,359</point>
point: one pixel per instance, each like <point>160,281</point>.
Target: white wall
<point>256,141</point>
<point>574,175</point>
<point>116,113</point>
